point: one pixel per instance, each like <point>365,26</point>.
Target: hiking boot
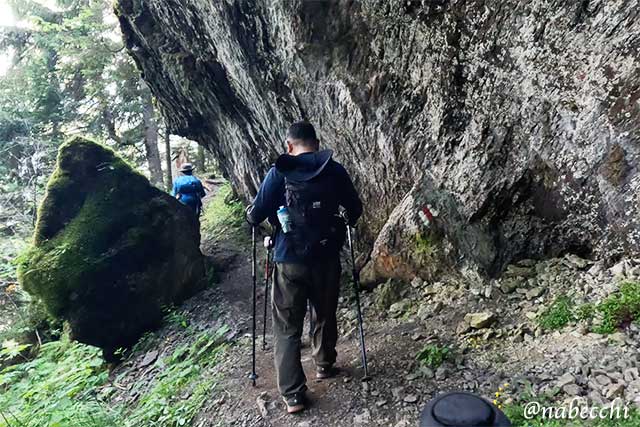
<point>322,373</point>
<point>294,403</point>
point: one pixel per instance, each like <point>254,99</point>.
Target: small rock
<point>441,373</point>
<point>396,392</point>
<point>576,262</point>
<point>619,269</point>
<point>480,320</point>
<point>572,389</point>
<point>534,293</point>
<point>508,286</point>
<point>417,282</point>
<point>262,402</point>
<point>614,390</point>
<point>462,328</point>
<point>564,380</point>
<point>618,338</point>
<point>603,380</point>
<point>381,403</point>
<point>148,359</point>
<point>410,398</point>
<point>362,418</point>
<point>631,374</point>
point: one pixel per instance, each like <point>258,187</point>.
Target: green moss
<point>557,315</point>
<point>87,204</point>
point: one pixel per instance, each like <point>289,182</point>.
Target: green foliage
<point>9,250</point>
<point>59,387</point>
<point>621,308</point>
<point>29,320</point>
<point>224,216</point>
<point>55,389</point>
<point>424,247</point>
<point>11,349</point>
<point>173,317</point>
<point>433,355</point>
<point>557,315</point>
<point>182,387</point>
<point>585,312</point>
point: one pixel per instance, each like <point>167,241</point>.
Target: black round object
<point>460,409</point>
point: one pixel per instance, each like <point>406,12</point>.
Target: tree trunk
<point>167,159</point>
<point>151,140</point>
<point>200,160</point>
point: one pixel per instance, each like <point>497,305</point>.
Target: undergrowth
<point>620,308</point>
<point>56,389</point>
<point>617,311</point>
<point>224,216</point>
<point>433,355</point>
<point>557,315</point>
<point>66,385</point>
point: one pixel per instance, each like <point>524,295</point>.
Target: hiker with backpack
<point>301,195</point>
<point>188,189</point>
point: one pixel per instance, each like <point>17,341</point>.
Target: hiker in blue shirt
<point>188,189</point>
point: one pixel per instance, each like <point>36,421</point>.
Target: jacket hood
<point>303,167</point>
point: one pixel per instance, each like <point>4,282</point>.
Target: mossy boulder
<point>109,249</point>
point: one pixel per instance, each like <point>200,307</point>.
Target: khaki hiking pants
<point>294,284</point>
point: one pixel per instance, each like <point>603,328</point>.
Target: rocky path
<point>489,328</point>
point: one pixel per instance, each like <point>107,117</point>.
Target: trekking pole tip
<point>253,377</point>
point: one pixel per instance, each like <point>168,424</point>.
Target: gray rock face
<point>518,123</point>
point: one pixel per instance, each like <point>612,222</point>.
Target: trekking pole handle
<point>246,214</point>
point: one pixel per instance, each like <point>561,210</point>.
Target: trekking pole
<point>267,245</point>
<point>253,377</point>
<point>356,284</point>
<point>312,323</point>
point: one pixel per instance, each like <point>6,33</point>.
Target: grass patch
<point>433,355</point>
<point>224,216</point>
<point>620,308</point>
<point>557,315</point>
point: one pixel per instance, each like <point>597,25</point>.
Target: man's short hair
<point>303,131</point>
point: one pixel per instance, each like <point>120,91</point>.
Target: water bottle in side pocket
<point>285,220</point>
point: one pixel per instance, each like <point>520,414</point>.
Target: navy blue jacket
<point>272,193</point>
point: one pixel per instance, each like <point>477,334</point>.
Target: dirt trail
<point>340,401</point>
